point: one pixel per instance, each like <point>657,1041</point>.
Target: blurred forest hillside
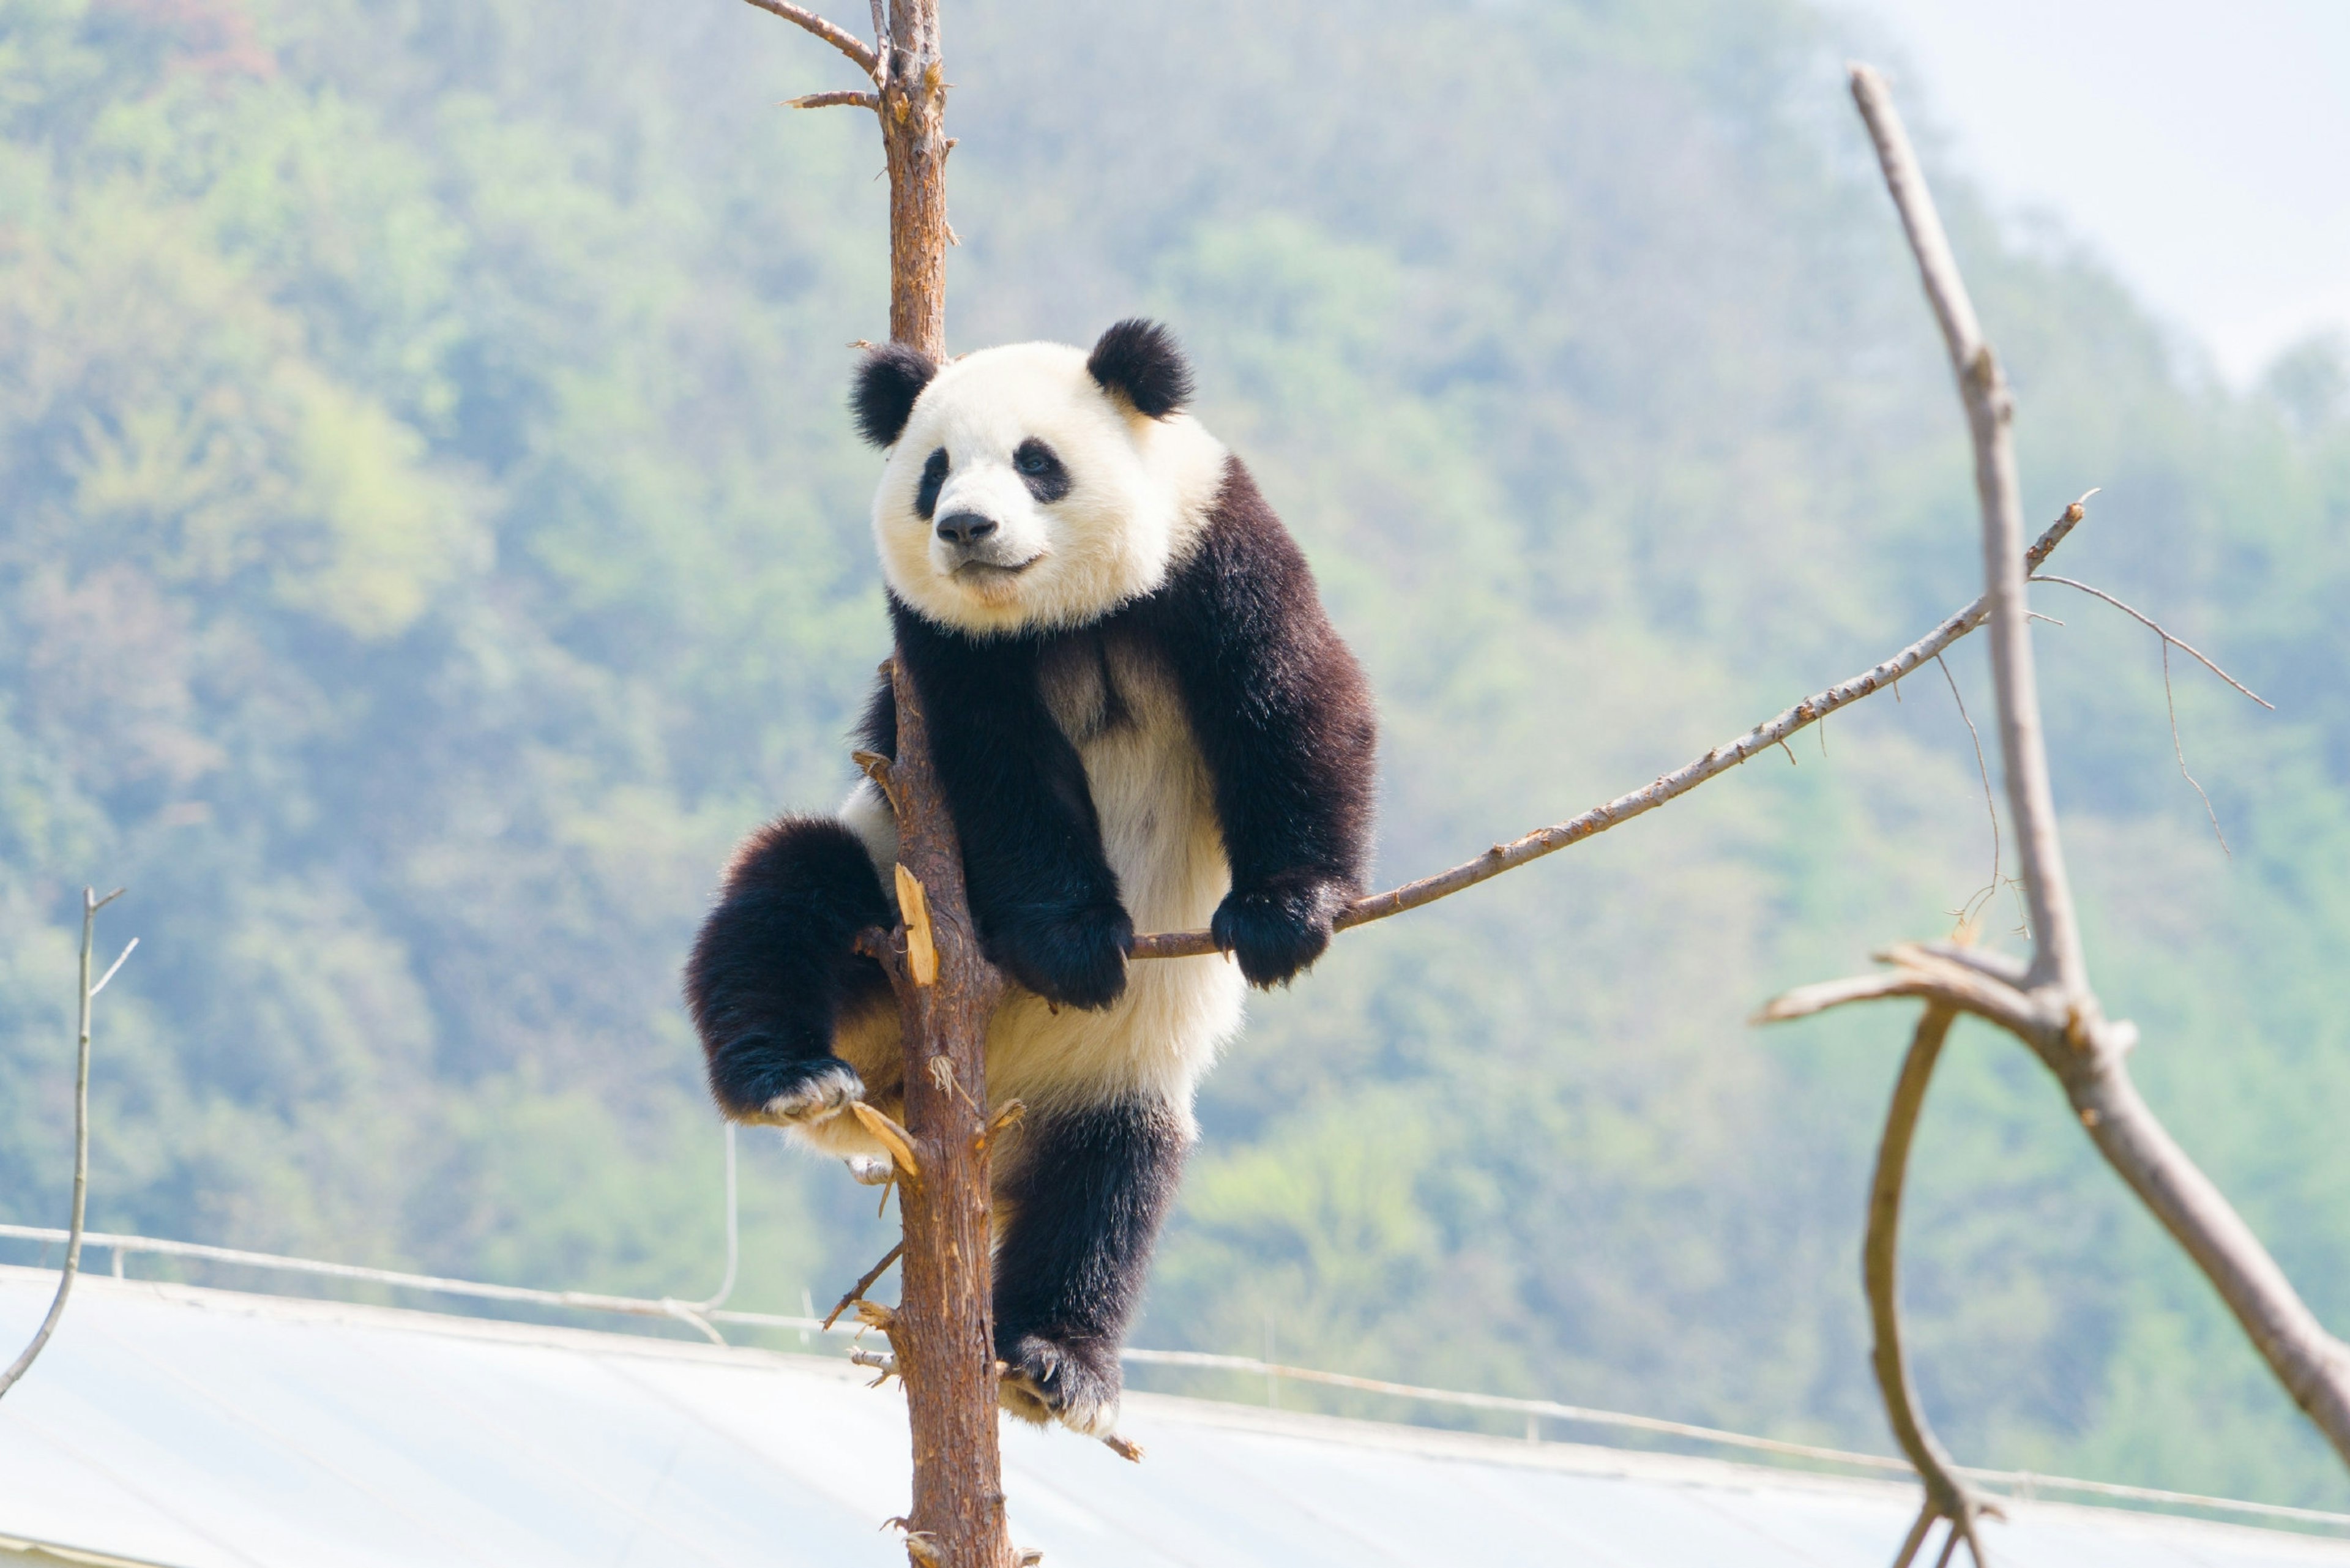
<point>431,533</point>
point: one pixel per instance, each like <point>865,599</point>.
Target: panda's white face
<point>1021,495</point>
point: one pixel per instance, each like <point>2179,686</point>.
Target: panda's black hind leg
<point>1088,1194</point>
<point>773,970</point>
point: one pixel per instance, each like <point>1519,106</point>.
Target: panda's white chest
<point>1152,790</point>
<point>1156,805</point>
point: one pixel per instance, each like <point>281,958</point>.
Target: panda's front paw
<point>1278,929</point>
<point>1073,960</point>
<point>1072,1381</point>
<point>754,1082</point>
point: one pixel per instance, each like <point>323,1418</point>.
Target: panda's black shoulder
<point>1240,574</point>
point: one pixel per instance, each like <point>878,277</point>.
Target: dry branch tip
<point>890,1135</point>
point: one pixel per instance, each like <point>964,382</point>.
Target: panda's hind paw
<point>810,1091</point>
<point>1075,1382</point>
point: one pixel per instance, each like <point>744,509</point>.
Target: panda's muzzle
<point>965,528</point>
<point>977,549</point>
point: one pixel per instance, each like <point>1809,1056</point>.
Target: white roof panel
<point>211,1429</point>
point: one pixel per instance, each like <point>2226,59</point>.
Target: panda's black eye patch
<point>934,479</point>
<point>1040,469</point>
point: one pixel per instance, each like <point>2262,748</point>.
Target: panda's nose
<point>965,527</point>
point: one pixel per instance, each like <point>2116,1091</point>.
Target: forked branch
<point>2049,1005</point>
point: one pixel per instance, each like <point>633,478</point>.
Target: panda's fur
<point>1142,722</point>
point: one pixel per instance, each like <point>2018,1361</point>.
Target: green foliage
<point>429,534</point>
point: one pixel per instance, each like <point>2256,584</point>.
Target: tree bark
<point>944,1332</point>
<point>944,1335</point>
<point>913,129</point>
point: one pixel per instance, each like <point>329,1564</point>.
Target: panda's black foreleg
<point>1087,1196</point>
<point>775,968</point>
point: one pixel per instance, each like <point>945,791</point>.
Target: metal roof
<point>204,1429</point>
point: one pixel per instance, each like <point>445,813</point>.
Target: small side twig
<point>2160,630</point>
<point>2170,706</point>
<point>91,904</point>
<point>1991,803</point>
<point>865,1283</point>
<point>2170,697</point>
<point>1947,1496</point>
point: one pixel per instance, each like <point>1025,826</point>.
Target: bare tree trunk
<point>944,1337</point>
<point>943,1334</point>
<point>944,1330</point>
<point>913,128</point>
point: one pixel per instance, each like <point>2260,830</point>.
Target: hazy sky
<point>2204,149</point>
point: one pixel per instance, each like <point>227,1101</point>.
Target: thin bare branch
<point>2313,1365</point>
<point>865,1283</point>
<point>1991,411</point>
<point>1921,972</point>
<point>2160,630</point>
<point>115,967</point>
<point>1503,857</point>
<point>1967,909</point>
<point>841,39</point>
<point>91,904</point>
<point>2170,706</point>
<point>2170,698</point>
<point>1947,1496</point>
<point>1916,1536</point>
<point>1983,960</point>
<point>844,99</point>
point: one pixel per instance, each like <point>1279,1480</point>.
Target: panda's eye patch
<point>1040,469</point>
<point>934,479</point>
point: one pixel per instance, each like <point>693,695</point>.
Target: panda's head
<point>1035,485</point>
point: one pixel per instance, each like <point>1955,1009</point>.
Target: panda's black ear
<point>887,382</point>
<point>1139,361</point>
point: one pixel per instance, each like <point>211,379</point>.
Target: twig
<point>91,904</point>
<point>2170,698</point>
<point>841,39</point>
<point>1623,808</point>
<point>1966,911</point>
<point>1947,1496</point>
<point>2160,630</point>
<point>2170,706</point>
<point>865,1283</point>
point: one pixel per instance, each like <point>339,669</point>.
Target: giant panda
<point>1142,721</point>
